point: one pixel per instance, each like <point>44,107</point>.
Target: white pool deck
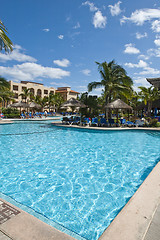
<point>138,220</point>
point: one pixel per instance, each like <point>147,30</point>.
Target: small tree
<point>58,100</point>
<point>25,94</point>
<point>149,95</point>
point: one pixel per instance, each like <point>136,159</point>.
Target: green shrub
<point>12,115</point>
<point>11,112</point>
<point>153,123</point>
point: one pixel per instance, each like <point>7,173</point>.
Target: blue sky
<point>56,42</point>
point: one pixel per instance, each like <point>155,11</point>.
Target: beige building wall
<point>36,89</point>
<point>67,93</point>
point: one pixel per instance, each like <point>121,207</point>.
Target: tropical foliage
<point>148,95</point>
<point>91,102</point>
<point>114,81</point>
<point>5,42</point>
<point>5,93</point>
<point>25,94</point>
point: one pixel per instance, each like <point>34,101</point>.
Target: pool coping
<point>28,224</point>
<point>134,219</point>
<point>58,124</point>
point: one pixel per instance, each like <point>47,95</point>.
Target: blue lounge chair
<point>76,120</point>
<point>103,122</point>
<point>123,121</point>
<point>95,121</point>
<point>130,124</point>
<point>111,122</point>
<point>139,123</point>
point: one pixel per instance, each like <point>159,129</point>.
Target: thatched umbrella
<point>118,104</point>
<point>34,105</point>
<point>19,105</point>
<point>72,102</point>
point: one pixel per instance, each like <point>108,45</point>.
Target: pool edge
<point>134,219</point>
<point>29,224</point>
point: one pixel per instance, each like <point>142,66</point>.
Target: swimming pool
<point>77,178</point>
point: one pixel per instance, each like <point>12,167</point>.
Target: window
<point>51,92</point>
<point>39,92</point>
<point>16,95</point>
<point>45,91</point>
<point>15,87</point>
<point>23,88</point>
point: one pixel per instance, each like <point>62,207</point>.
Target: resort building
<point>67,93</point>
<point>36,89</point>
<point>154,81</point>
<point>40,90</point>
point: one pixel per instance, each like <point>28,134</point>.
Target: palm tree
<point>4,84</point>
<point>41,101</point>
<point>91,102</point>
<point>115,81</point>
<point>149,95</point>
<point>58,100</point>
<point>25,94</point>
<point>5,42</point>
<point>5,93</point>
<point>51,100</point>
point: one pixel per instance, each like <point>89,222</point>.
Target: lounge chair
<point>111,122</point>
<point>103,122</point>
<point>76,120</point>
<point>123,121</point>
<point>139,123</point>
<point>94,121</point>
<point>130,124</point>
<point>65,120</point>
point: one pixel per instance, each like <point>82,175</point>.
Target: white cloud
<point>61,37</point>
<point>46,30</point>
<point>97,91</point>
<point>154,52</point>
<point>77,26</point>
<point>145,57</point>
<point>156,26</point>
<point>83,88</point>
<point>141,64</point>
<point>58,84</point>
<point>99,21</point>
<point>86,72</point>
<point>31,71</point>
<point>150,71</point>
<point>142,15</point>
<point>139,35</point>
<point>91,6</point>
<point>157,41</point>
<point>115,9</point>
<point>130,49</point>
<point>141,81</point>
<point>62,63</point>
<point>16,55</point>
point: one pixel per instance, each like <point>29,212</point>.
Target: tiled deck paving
<point>153,232</point>
<point>4,237</point>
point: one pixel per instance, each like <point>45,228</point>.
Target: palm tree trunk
<point>149,108</point>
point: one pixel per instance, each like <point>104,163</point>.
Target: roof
<point>118,104</point>
<point>154,81</point>
<point>65,91</point>
<point>74,91</point>
<point>25,82</point>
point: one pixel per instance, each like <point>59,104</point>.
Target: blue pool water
<point>77,178</point>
